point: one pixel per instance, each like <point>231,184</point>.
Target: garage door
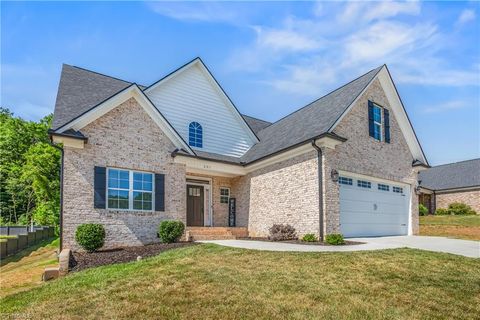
<point>369,208</point>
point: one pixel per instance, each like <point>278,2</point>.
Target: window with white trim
<point>397,190</point>
<point>129,190</point>
<point>383,187</point>
<point>346,181</point>
<point>224,195</point>
<point>364,184</point>
<point>195,135</point>
<point>377,122</point>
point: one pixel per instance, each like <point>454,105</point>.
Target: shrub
<point>90,236</point>
<point>441,212</point>
<point>422,210</point>
<point>309,237</point>
<point>170,230</point>
<point>279,232</point>
<point>458,208</point>
<point>335,239</point>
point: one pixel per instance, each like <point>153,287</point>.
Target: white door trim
<point>208,219</point>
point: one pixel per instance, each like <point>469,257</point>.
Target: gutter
<point>320,188</point>
<point>61,191</point>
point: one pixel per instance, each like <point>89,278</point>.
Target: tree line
<point>29,172</point>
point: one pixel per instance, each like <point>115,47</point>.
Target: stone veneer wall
<point>125,137</point>
<point>362,154</point>
<point>472,198</point>
<point>285,192</point>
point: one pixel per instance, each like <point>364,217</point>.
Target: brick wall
<point>472,198</point>
<point>125,137</point>
<point>285,192</point>
<point>362,154</point>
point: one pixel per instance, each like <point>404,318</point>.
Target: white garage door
<point>370,208</point>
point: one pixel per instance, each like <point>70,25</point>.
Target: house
<point>180,149</point>
<point>448,183</point>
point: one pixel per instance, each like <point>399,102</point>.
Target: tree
<point>29,171</point>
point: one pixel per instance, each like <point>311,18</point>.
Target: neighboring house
<point>448,183</point>
<point>179,149</point>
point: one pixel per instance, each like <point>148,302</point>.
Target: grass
<point>214,282</point>
<point>24,270</point>
<point>7,237</point>
<point>461,227</point>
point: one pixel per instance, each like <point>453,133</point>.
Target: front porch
<point>215,233</point>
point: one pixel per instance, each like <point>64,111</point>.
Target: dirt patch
<point>316,243</point>
<point>84,260</point>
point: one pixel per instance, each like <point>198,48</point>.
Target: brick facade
<point>362,154</point>
<point>125,137</point>
<point>285,192</point>
<point>472,198</point>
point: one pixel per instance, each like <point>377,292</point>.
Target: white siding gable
<point>192,95</point>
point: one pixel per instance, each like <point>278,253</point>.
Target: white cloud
<point>466,16</point>
<point>447,106</point>
<point>198,11</point>
<point>307,56</point>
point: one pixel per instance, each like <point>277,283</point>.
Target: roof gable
<point>191,94</point>
<point>310,121</point>
<point>132,91</point>
<point>462,174</point>
<point>79,90</point>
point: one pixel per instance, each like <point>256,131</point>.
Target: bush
<point>422,210</point>
<point>170,231</point>
<point>458,208</point>
<point>279,232</point>
<point>441,212</point>
<point>335,239</point>
<point>90,236</point>
<point>309,237</point>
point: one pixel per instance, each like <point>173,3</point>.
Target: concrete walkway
<point>439,244</point>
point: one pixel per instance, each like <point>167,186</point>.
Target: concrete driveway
<point>439,244</point>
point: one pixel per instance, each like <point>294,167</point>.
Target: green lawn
<point>214,282</point>
<point>462,227</point>
<point>24,270</point>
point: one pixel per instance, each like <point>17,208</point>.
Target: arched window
<point>195,135</point>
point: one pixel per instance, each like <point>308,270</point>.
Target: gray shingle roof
<point>256,124</point>
<point>310,121</point>
<point>79,90</point>
<point>451,176</point>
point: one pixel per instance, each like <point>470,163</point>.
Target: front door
<point>195,205</point>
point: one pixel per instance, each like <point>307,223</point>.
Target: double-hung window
<point>129,190</point>
<point>377,122</point>
<point>224,195</point>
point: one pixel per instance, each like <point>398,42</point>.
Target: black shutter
<point>386,120</point>
<point>159,192</point>
<point>370,119</point>
<point>99,187</point>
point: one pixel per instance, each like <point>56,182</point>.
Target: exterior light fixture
<point>334,175</point>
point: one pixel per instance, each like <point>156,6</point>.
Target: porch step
<point>215,233</point>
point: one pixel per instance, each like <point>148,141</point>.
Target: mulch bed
<point>83,260</point>
<point>316,243</point>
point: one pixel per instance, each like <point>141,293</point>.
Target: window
<point>347,181</point>
<point>383,187</point>
<point>377,122</point>
<point>194,192</point>
<point>397,190</point>
<point>130,190</point>
<point>364,184</point>
<point>224,195</point>
<point>142,191</point>
<point>195,135</point>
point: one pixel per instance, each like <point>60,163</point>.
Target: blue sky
<point>271,58</point>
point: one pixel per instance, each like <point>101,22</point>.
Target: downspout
<point>320,188</point>
<point>61,192</point>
